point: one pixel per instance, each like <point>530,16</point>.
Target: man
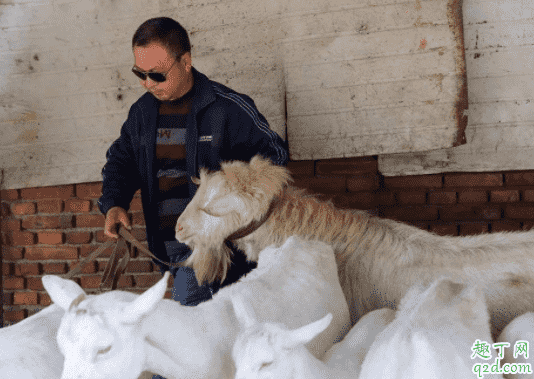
<point>185,121</point>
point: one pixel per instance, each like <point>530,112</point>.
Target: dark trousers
<point>186,289</point>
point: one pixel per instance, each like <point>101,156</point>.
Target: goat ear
<point>306,333</point>
<point>146,302</point>
<point>62,291</point>
<point>244,312</point>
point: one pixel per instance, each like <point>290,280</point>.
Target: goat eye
<point>104,351</point>
<point>265,365</point>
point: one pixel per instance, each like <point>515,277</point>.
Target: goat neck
<point>255,224</point>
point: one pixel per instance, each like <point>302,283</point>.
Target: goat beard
<point>210,263</point>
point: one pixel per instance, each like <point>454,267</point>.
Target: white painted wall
<point>499,44</point>
<point>355,75</point>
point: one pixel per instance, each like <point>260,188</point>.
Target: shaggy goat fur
<point>378,259</point>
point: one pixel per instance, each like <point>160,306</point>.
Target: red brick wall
<point>47,230</point>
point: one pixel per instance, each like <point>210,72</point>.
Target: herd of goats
<point>336,294</point>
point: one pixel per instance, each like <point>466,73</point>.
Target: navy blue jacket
<point>223,125</point>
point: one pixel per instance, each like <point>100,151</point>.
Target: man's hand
<point>115,216</point>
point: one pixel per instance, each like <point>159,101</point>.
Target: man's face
<point>155,58</point>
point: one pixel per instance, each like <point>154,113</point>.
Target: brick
<point>50,238</point>
<point>90,221</point>
<point>442,197</point>
<point>358,200</point>
<point>528,225</point>
<point>445,229</point>
<point>148,280</point>
<point>56,192</point>
<point>7,298</point>
<point>25,298</point>
<point>11,225</point>
<point>505,226</point>
<point>21,238</point>
<point>322,185</point>
<point>34,284</point>
<point>44,253</point>
<point>29,269</point>
<point>44,299</point>
<point>472,197</point>
<point>88,268</point>
<point>504,196</point>
<point>78,206</point>
<point>92,281</point>
<point>412,213</point>
<point>41,222</point>
<point>363,183</point>
<point>50,206</point>
<point>139,266</point>
<point>136,205</point>
<point>4,209</point>
<point>11,253</point>
<point>7,269</point>
<point>15,316</point>
<point>346,166</point>
<point>467,229</point>
<point>86,250</point>
<point>524,178</point>
<point>528,196</point>
<point>78,237</point>
<point>385,197</point>
<point>411,198</point>
<point>125,281</point>
<point>138,218</point>
<point>301,168</point>
<point>21,209</point>
<point>89,190</point>
<point>473,180</point>
<point>464,212</point>
<point>414,181</point>
<point>55,268</point>
<point>11,194</point>
<point>519,211</point>
<point>13,283</point>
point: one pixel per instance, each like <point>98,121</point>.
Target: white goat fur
<point>432,335</point>
<point>119,334</point>
<point>29,350</point>
<point>378,259</point>
<point>521,328</point>
<point>272,351</point>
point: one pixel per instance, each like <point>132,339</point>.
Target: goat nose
<point>180,227</point>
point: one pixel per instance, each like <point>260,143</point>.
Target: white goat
<point>269,350</point>
<point>433,335</point>
<point>430,337</point>
<point>29,350</point>
<point>119,334</point>
<point>378,259</point>
<point>520,329</point>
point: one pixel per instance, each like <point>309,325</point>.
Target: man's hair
<point>165,31</point>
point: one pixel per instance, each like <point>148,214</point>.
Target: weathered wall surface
<point>66,86</point>
<point>373,77</point>
<point>355,78</point>
<point>499,45</point>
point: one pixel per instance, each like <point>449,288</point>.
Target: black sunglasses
<point>155,76</point>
